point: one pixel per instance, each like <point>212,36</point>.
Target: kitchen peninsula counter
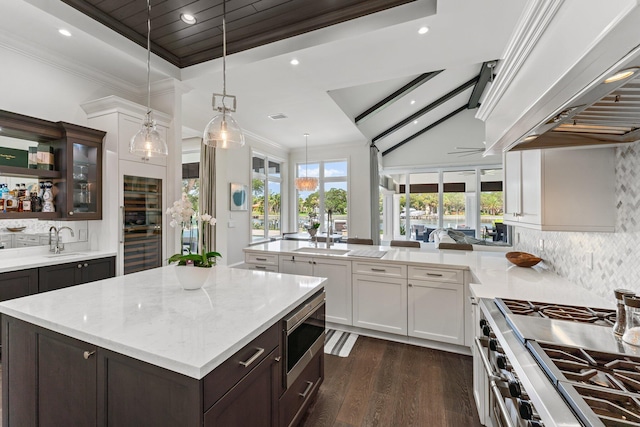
<point>39,256</point>
<point>491,274</point>
<point>149,317</point>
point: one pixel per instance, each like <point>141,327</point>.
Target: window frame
<point>266,178</point>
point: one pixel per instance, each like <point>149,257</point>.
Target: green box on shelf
<point>13,157</point>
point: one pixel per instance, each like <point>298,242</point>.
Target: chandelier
<point>148,142</point>
<point>223,131</point>
<point>306,183</point>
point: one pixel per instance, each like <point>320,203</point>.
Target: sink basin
<point>323,251</point>
<point>63,254</point>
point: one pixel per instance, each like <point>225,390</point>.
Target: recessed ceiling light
<point>622,74</point>
<point>188,18</point>
<point>278,116</point>
<point>413,101</point>
<point>64,32</point>
<point>423,30</point>
<point>294,62</point>
<point>530,138</point>
<point>415,122</point>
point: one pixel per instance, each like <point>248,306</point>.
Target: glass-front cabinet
<point>57,166</point>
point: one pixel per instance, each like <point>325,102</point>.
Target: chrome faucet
<point>59,246</point>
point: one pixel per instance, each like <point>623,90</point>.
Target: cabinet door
<point>531,187</point>
<point>17,284</point>
<point>380,303</point>
<point>98,269</point>
<point>337,288</point>
<point>66,382</point>
<point>293,264</point>
<point>252,401</point>
<point>513,185</point>
<point>59,276</point>
<point>436,311</point>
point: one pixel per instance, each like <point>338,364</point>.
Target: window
<point>331,194</point>
<point>266,197</point>
<point>191,190</point>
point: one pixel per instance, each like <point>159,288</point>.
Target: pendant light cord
<point>148,56</point>
<point>224,52</point>
<point>306,155</point>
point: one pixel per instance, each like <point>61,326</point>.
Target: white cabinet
<point>8,240</point>
<point>561,190</point>
<point>436,306</point>
<point>262,262</point>
<point>380,297</point>
<point>337,287</point>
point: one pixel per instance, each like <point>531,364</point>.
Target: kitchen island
<point>139,350</point>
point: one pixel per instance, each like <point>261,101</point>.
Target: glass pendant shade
<point>223,132</point>
<point>306,183</point>
<point>148,142</point>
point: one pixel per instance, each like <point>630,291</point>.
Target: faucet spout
<point>59,246</point>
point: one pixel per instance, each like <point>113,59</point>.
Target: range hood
<point>552,88</point>
<point>607,114</point>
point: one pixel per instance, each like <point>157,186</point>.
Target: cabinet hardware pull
<point>260,267</point>
<point>261,259</point>
<point>86,265</point>
<point>473,301</point>
<point>502,407</point>
<point>434,274</point>
<point>410,285</point>
<point>382,270</point>
<point>485,361</point>
<point>88,354</point>
<point>310,262</point>
<point>253,358</point>
<point>79,265</point>
<point>277,359</point>
<point>121,224</point>
<point>306,390</point>
<point>71,213</point>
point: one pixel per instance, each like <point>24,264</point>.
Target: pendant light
<point>223,131</point>
<point>306,183</point>
<point>148,142</point>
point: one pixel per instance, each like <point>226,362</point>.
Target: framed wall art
<point>239,197</point>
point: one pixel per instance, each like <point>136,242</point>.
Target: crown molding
<point>533,22</point>
<point>66,64</point>
<point>264,140</point>
<point>115,104</point>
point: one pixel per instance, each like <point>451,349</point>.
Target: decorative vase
<point>312,231</point>
<point>191,277</point>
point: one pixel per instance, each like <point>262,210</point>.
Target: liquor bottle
<point>36,202</point>
<point>11,203</point>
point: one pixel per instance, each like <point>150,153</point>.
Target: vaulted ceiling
<point>351,58</point>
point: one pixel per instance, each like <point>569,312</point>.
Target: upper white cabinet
<point>561,190</point>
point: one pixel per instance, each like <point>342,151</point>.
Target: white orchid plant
<point>183,215</point>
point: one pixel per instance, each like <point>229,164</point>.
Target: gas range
<point>594,373</point>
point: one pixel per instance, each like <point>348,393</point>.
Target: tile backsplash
<point>600,262</point>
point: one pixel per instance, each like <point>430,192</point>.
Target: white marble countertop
<point>39,256</point>
<point>148,316</point>
<point>492,274</point>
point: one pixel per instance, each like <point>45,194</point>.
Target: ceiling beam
<point>428,128</point>
<point>408,88</point>
<point>428,108</point>
<point>483,79</point>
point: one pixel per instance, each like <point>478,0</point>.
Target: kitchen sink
<point>63,254</point>
<point>323,251</point>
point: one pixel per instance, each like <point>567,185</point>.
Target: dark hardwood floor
<point>385,384</point>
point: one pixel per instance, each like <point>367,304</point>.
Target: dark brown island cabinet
<point>50,379</point>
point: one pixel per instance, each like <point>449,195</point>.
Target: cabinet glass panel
<point>85,176</point>
<point>142,219</point>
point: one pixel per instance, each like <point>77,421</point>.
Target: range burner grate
<point>596,316</point>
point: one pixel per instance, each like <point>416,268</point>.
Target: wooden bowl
<point>523,259</point>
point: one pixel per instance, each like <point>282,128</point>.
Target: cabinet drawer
<point>436,274</point>
<point>263,259</point>
<point>295,401</point>
<point>28,239</point>
<point>378,269</point>
<point>259,267</point>
<point>225,376</point>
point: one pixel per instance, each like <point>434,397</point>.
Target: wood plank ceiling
<point>250,23</point>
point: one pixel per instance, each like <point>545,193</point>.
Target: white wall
<point>430,149</point>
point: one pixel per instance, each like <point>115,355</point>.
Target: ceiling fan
<point>467,151</point>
